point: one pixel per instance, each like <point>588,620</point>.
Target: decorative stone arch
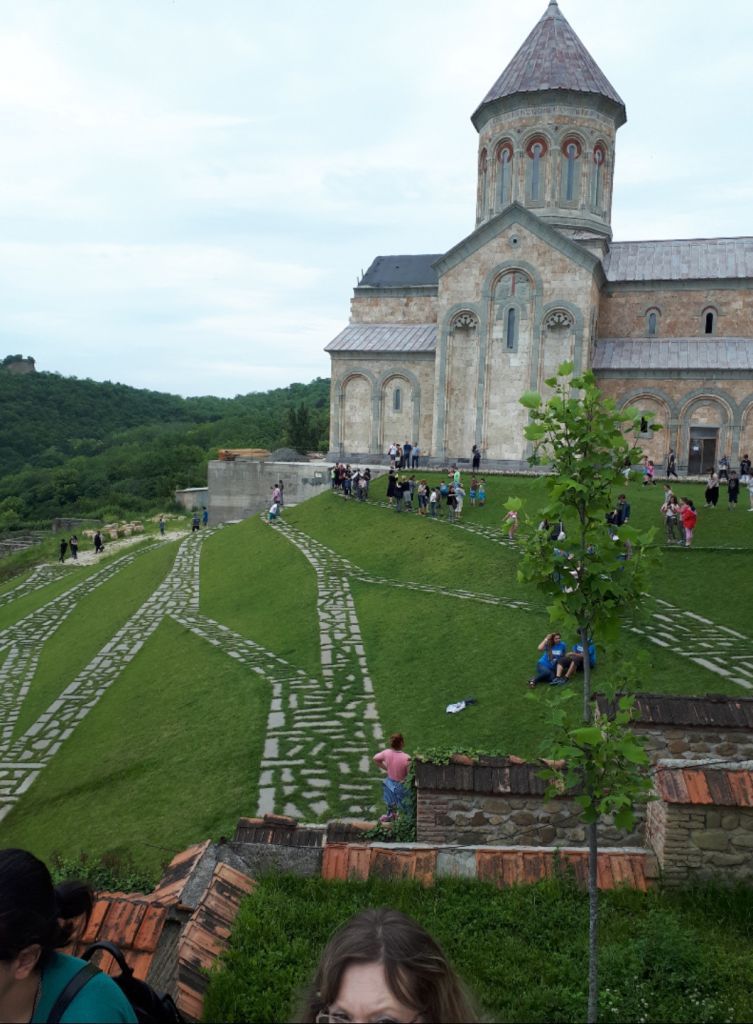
<point>413,386</point>
<point>728,420</point>
<point>538,181</point>
<point>342,432</point>
<point>570,180</point>
<point>652,318</point>
<point>745,442</point>
<point>657,444</point>
<point>560,333</point>
<point>503,175</point>
<point>599,157</point>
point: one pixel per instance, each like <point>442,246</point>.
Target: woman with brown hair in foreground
<point>384,968</point>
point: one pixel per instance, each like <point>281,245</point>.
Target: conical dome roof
<point>552,57</point>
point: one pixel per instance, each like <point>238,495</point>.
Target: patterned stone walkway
<point>40,577</point>
<point>316,755</point>
<point>24,639</point>
<point>717,648</point>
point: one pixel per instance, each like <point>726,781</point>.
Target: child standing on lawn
<point>482,493</point>
<point>688,517</point>
<point>473,491</point>
<point>512,519</point>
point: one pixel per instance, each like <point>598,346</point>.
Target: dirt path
<point>88,557</point>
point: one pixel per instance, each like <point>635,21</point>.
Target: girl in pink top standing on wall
<point>395,762</point>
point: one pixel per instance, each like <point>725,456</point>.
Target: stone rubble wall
<point>696,744</point>
<point>696,842</point>
<point>475,819</point>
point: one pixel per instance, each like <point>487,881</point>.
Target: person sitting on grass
<point>395,763</point>
<point>552,649</point>
<point>572,662</point>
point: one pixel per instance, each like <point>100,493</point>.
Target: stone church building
<point>440,347</point>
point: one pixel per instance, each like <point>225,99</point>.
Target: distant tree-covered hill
<point>81,447</point>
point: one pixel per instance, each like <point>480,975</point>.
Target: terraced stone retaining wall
<point>500,801</point>
<point>694,843</point>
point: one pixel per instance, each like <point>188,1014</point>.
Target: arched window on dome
<point>571,151</point>
<point>597,176</point>
<point>652,322</point>
<point>536,171</point>
<point>709,320</point>
<point>504,174</point>
<point>483,201</point>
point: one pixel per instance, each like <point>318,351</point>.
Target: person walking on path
<point>671,464</point>
<point>195,522</point>
<point>98,545</point>
<point>63,549</point>
<point>162,526</point>
<point>205,516</point>
<point>74,547</point>
<point>394,762</point>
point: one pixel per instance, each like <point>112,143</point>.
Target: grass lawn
<point>665,956</point>
<point>169,757</point>
<point>261,586</point>
<point>16,609</point>
<point>95,619</point>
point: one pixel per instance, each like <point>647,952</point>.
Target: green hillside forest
<point>71,447</point>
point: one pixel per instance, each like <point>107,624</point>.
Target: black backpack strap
<point>115,952</point>
<point>71,990</point>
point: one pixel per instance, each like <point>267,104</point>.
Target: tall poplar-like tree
<point>594,577</point>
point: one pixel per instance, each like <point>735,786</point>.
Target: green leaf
<point>565,369</point>
<point>531,399</point>
<point>588,736</point>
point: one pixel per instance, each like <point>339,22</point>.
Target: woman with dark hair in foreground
<point>384,968</point>
<point>36,919</point>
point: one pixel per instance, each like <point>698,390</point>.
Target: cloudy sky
<point>189,189</point>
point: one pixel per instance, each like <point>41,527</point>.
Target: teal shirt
<point>100,1000</point>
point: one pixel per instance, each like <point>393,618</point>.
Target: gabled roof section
<point>674,354</point>
<point>517,214</point>
<point>385,338</point>
<point>401,272</point>
<point>680,259</point>
<point>552,58</point>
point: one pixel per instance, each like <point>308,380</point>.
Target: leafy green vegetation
<point>667,955</point>
<point>169,756</point>
<point>79,447</point>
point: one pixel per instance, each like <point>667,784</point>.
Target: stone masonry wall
<point>696,744</point>
<point>697,842</point>
<point>488,820</point>
<point>388,309</point>
<point>623,311</point>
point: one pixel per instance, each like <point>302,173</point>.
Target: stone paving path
<point>315,755</point>
<point>719,649</point>
<point>24,639</point>
<point>40,577</point>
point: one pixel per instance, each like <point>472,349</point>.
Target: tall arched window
<point>570,169</point>
<point>482,176</point>
<point>597,177</point>
<point>537,150</point>
<point>504,174</point>
<point>511,329</point>
<point>709,320</point>
<point>397,399</point>
<point>652,322</point>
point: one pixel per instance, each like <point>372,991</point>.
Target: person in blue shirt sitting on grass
<point>552,649</point>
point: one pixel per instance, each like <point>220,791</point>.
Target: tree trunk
<point>593,926</point>
<point>584,639</point>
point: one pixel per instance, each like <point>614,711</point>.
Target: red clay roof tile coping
<point>713,711</point>
<point>704,784</point>
<point>489,775</point>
